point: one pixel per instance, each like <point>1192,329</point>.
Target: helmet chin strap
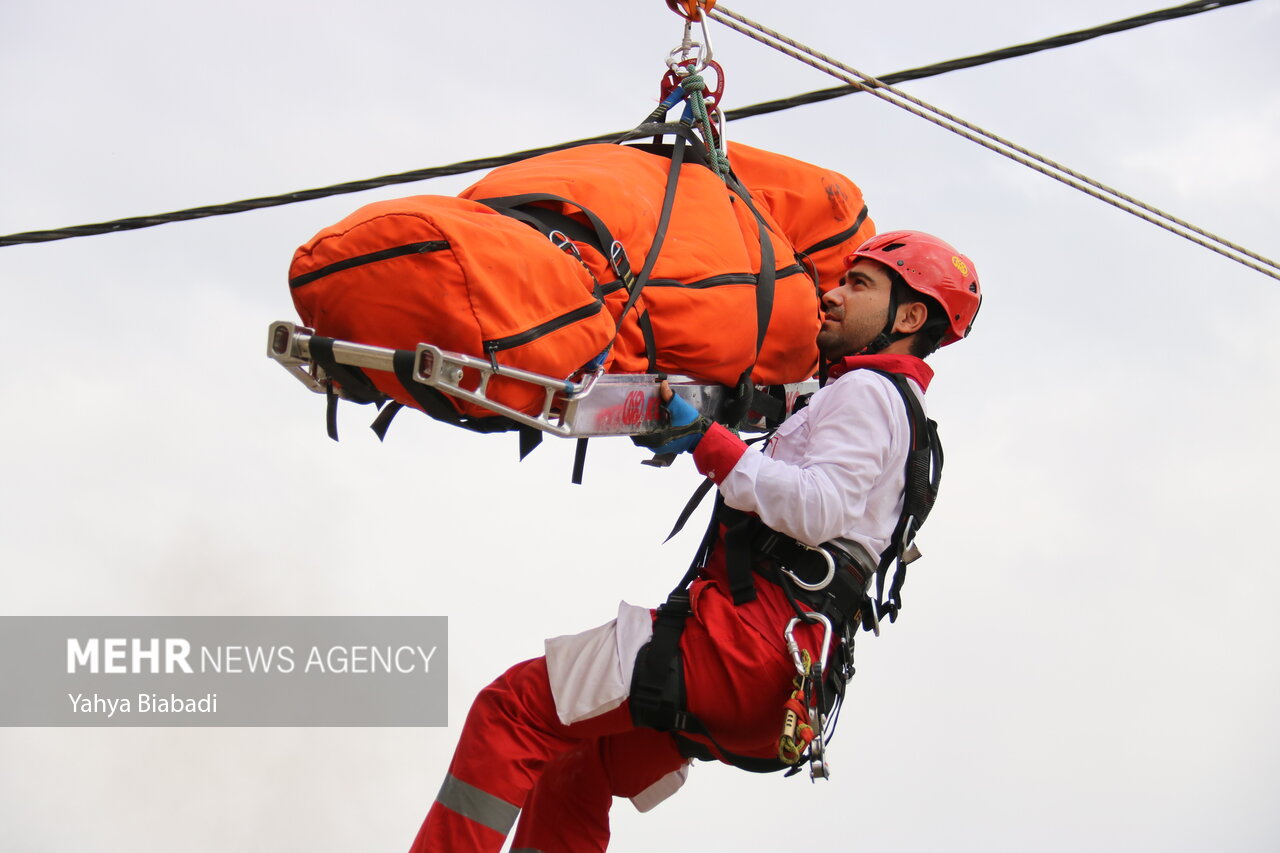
<point>887,334</point>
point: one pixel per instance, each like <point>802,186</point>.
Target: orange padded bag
<point>453,273</point>
<point>701,299</point>
<point>821,211</point>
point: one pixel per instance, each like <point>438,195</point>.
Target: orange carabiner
<point>691,10</point>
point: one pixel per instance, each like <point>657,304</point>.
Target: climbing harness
<point>828,585</point>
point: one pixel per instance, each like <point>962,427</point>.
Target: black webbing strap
<point>657,683</point>
<point>436,404</point>
<point>331,414</point>
<point>755,550</point>
<point>690,748</point>
<point>530,438</point>
<point>837,239</point>
<point>650,342</point>
<point>548,222</point>
<point>690,505</point>
<point>523,207</point>
<point>383,421</point>
<point>923,477</point>
<point>579,461</point>
<point>687,147</point>
<point>651,258</point>
<point>695,500</point>
<point>680,130</point>
<point>657,698</point>
<point>767,278</point>
<point>771,404</point>
<point>739,531</point>
<point>356,385</point>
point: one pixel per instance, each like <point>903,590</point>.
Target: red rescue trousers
<point>514,754</point>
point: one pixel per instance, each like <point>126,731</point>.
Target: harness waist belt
<point>841,599</point>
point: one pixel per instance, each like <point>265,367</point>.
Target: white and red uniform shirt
<point>834,471</point>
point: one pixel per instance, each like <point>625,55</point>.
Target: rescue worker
<point>558,737</point>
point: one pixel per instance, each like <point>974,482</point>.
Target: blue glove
<point>681,432</point>
<point>684,418</point>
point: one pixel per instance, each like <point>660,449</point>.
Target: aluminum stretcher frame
<point>597,404</point>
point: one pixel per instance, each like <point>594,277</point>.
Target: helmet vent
<point>892,246</point>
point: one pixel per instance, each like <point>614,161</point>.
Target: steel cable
<point>993,142</point>
<point>1050,43</point>
<point>465,166</point>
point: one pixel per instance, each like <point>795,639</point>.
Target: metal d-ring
<point>822,584</point>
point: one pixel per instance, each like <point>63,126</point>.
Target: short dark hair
<point>930,335</point>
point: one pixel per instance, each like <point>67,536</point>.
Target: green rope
<point>694,85</point>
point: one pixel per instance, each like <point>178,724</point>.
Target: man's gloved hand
<point>682,426</point>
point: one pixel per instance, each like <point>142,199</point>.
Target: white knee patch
<point>590,673</point>
<point>660,790</point>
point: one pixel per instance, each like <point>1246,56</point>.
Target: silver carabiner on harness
<point>818,768</point>
<point>679,57</point>
<point>822,584</point>
<point>794,649</point>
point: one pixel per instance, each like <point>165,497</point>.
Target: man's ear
<point>911,317</point>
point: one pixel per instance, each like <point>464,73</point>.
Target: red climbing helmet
<point>932,267</point>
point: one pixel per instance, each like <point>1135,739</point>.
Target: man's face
<point>855,312</point>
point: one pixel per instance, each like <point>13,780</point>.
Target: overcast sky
<point>1087,655</point>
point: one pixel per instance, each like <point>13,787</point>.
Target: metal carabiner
<point>708,54</point>
<point>822,584</point>
<point>796,657</point>
<point>679,58</point>
<point>818,768</point>
<point>720,137</point>
<point>680,64</point>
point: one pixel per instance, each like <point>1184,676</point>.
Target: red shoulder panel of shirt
<point>908,365</point>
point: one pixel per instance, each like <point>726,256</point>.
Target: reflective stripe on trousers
<point>482,807</point>
<point>514,753</point>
